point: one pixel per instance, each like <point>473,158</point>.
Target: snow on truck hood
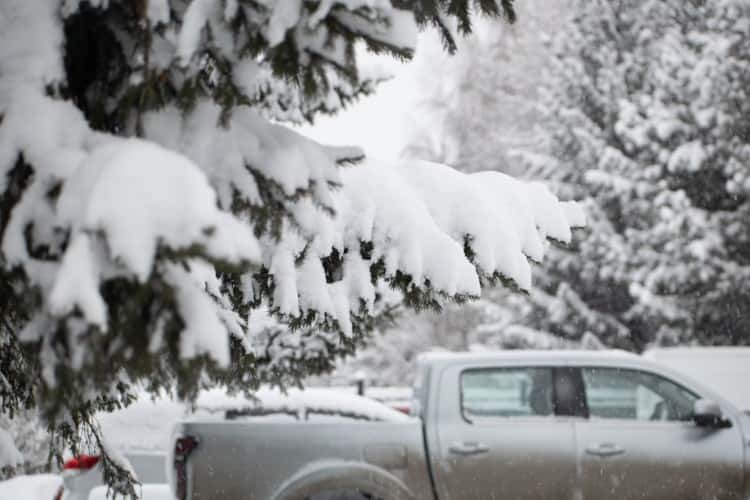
<point>145,426</point>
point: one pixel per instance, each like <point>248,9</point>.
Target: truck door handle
<point>468,448</point>
<point>604,450</point>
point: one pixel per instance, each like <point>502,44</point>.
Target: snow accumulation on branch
<point>94,207</point>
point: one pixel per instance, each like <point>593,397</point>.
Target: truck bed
<point>247,460</point>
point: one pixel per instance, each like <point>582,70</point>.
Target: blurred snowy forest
<point>639,109</point>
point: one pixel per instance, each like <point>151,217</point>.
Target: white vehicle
<point>726,370</point>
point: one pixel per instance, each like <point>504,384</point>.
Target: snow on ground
<point>148,492</point>
<point>36,487</point>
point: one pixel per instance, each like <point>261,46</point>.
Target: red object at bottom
<point>82,462</point>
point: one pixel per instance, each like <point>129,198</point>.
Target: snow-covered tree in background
<point>585,289</point>
<point>648,118</point>
<point>488,104</point>
<point>690,131</point>
<point>161,228</point>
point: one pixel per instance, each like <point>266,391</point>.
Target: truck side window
<point>624,394</point>
<point>507,392</point>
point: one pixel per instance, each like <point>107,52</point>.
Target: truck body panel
<point>262,460</point>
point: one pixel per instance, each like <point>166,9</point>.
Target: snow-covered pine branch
<point>160,226</point>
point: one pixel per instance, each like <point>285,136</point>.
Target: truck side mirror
<point>707,413</point>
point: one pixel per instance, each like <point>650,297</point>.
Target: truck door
<point>640,442</point>
<point>499,436</point>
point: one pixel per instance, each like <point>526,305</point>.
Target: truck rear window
<point>507,392</point>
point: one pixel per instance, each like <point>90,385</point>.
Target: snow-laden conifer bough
<point>161,225</point>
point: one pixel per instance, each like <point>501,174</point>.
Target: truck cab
<point>572,425</point>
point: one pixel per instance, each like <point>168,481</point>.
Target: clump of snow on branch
<point>410,210</point>
<point>107,194</point>
<point>416,218</point>
<point>114,221</point>
<point>406,212</point>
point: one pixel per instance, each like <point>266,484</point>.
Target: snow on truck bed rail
<point>298,403</point>
<point>146,425</point>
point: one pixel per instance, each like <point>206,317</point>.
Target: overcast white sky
<point>384,122</point>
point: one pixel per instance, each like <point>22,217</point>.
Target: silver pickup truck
<point>515,425</point>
